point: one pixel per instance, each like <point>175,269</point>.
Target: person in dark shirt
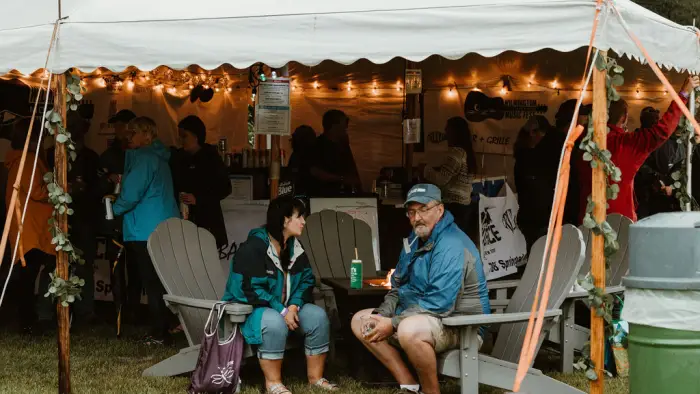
<point>535,178</point>
<point>200,178</point>
<point>334,167</point>
<point>303,144</point>
<point>652,185</point>
<point>112,167</point>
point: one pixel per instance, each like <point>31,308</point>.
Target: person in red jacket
<point>630,150</point>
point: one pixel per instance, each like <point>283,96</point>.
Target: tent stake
<point>61,174</point>
<point>598,195</point>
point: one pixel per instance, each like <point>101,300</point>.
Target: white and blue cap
<point>423,193</point>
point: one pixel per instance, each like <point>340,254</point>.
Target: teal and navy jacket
<point>439,277</point>
<point>147,197</point>
<point>257,279</point>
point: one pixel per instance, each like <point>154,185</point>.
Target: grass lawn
<point>103,364</point>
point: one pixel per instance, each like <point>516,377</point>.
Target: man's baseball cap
<point>123,116</point>
<point>423,193</point>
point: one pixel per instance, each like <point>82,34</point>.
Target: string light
<point>205,86</point>
<point>316,85</point>
<point>398,85</point>
<point>229,89</point>
<point>638,95</point>
<point>191,86</point>
<point>503,91</point>
<point>349,88</point>
<point>554,84</point>
<point>217,90</point>
<point>452,92</point>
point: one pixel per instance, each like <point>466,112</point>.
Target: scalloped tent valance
<point>179,33</point>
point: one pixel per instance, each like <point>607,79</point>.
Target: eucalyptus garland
<point>66,291</point>
<point>597,299</point>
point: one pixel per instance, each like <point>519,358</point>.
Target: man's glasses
<point>411,213</point>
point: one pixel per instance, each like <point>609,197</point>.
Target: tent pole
<point>689,157</point>
<point>598,195</point>
<point>412,112</point>
<point>275,153</point>
<point>61,174</point>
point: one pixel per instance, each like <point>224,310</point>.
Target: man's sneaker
<point>405,390</point>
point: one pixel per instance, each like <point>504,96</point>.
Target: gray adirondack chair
<point>575,336</point>
<point>500,367</point>
<point>187,262</point>
<point>329,239</point>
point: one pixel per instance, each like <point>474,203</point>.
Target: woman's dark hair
<point>195,126</point>
<point>459,135</point>
<point>303,138</point>
<point>278,210</point>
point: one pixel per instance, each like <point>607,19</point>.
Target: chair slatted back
<point>330,238</point>
<point>569,259</point>
<point>187,262</point>
<point>619,262</point>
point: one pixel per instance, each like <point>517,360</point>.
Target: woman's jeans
<point>313,326</point>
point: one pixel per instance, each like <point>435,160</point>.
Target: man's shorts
<point>444,338</point>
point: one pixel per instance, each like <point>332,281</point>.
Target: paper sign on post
<point>273,112</point>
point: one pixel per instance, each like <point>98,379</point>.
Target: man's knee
<point>356,323</point>
<point>414,329</point>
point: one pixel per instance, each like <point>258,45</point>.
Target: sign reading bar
<point>273,113</point>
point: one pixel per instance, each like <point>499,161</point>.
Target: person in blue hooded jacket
<point>271,272</point>
<point>439,274</point>
<point>146,199</point>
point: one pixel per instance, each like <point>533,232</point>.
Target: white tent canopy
<point>179,33</point>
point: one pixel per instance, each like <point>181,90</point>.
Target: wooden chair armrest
<point>231,309</point>
<point>608,290</point>
<point>478,320</point>
<point>503,284</point>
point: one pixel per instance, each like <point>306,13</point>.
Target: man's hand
<point>383,330</point>
<point>115,178</point>
<point>188,198</point>
<point>292,317</point>
<point>691,83</point>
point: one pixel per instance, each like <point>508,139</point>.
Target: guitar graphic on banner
<point>478,107</point>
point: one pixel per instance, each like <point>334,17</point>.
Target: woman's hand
<point>292,317</point>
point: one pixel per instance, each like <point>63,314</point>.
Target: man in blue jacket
<point>439,274</point>
<point>147,199</point>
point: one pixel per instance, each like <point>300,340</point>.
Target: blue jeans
<point>313,326</point>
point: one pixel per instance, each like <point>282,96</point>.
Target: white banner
<point>503,246</point>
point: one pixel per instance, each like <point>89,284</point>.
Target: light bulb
<point>554,84</point>
<point>205,86</point>
<point>374,90</point>
<point>148,78</point>
<point>217,90</point>
<point>315,84</point>
<point>191,86</point>
<point>665,92</point>
<point>529,84</point>
<point>503,91</point>
<point>638,94</point>
<point>229,89</point>
<point>398,85</point>
<point>129,84</point>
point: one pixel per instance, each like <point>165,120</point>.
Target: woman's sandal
<point>278,388</point>
<point>324,384</point>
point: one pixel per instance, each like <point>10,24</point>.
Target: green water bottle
<point>356,274</point>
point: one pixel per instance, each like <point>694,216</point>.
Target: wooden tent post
<point>598,195</point>
<point>275,153</point>
<point>412,112</point>
<point>61,174</point>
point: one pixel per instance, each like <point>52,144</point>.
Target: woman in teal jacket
<point>147,199</point>
<point>271,272</point>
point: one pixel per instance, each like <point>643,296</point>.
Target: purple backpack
<point>219,362</point>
